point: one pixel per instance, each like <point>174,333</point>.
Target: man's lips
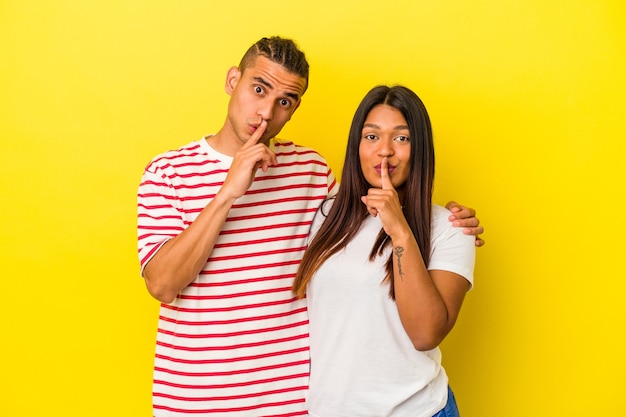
<point>254,123</point>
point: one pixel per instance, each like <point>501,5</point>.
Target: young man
<point>222,226</point>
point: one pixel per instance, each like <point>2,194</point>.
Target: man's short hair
<point>282,51</point>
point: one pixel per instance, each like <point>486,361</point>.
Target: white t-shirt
<point>362,361</point>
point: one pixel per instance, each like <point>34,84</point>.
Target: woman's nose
<point>385,148</point>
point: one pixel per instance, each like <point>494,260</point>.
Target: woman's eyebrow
<point>375,126</point>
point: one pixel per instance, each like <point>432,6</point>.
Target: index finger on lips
<point>254,139</point>
<point>384,175</point>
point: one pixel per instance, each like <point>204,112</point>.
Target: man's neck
<point>224,142</point>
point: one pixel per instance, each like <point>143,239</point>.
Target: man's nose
<point>266,109</point>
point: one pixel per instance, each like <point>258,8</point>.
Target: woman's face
<point>385,133</point>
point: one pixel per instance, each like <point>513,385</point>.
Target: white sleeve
<point>451,249</point>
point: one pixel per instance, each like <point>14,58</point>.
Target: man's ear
<point>232,78</point>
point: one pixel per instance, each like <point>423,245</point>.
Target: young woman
<point>385,273</point>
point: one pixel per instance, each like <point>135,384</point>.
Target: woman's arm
<point>428,301</point>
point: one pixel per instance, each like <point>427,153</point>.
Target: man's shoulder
<point>176,156</point>
<point>286,147</point>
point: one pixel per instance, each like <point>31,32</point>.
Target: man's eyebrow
<point>261,80</point>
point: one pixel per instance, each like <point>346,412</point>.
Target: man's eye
<point>285,103</point>
<point>258,89</point>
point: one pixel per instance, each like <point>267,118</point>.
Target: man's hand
<point>248,159</point>
<point>179,261</point>
<point>466,217</point>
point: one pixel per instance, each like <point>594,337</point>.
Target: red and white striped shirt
<point>235,341</point>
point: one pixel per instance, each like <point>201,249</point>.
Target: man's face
<point>265,90</point>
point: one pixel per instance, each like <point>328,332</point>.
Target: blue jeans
<point>451,409</point>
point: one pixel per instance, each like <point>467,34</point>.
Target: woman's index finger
<point>384,175</point>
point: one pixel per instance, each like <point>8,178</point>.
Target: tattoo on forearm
<point>398,250</point>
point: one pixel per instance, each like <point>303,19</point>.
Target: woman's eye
<point>370,136</point>
<point>403,139</point>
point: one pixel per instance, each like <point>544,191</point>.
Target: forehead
<point>275,76</point>
<point>383,115</point>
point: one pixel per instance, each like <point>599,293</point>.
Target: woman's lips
<point>390,168</point>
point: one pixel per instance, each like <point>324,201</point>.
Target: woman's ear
<point>232,78</point>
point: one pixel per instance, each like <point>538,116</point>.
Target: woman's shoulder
<point>439,213</point>
<point>441,224</point>
<point>443,230</point>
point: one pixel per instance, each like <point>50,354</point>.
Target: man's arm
<point>179,261</point>
<point>466,217</point>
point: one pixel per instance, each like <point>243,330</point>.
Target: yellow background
<point>528,104</point>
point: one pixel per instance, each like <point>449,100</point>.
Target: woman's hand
<point>384,202</point>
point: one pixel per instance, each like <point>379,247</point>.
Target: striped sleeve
<point>158,213</point>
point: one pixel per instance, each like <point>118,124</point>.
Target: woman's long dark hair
<point>348,211</point>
